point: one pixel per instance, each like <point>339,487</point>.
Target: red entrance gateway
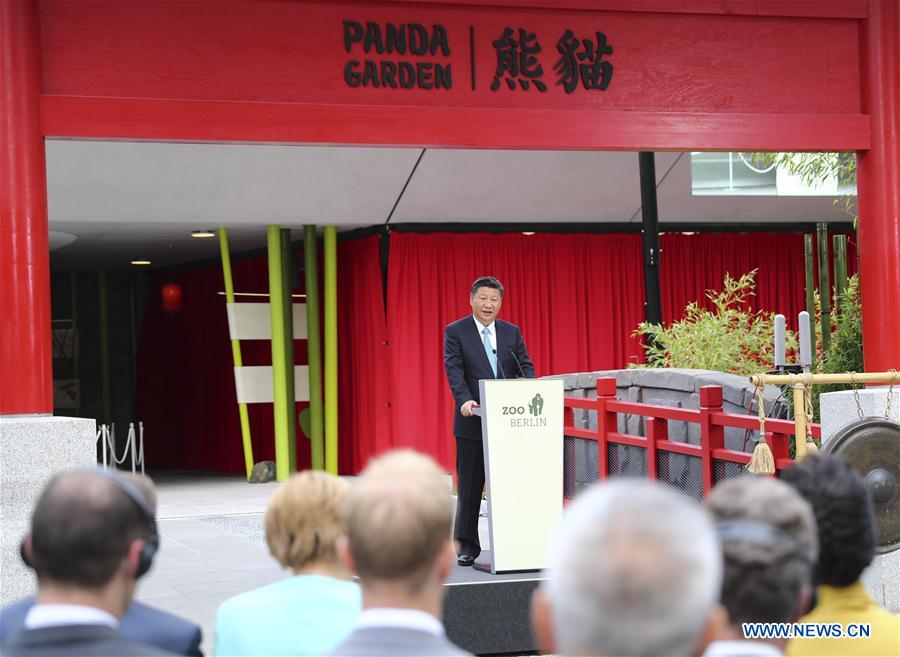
<point>787,75</point>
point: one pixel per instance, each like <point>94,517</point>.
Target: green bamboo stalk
<point>840,268</point>
<point>279,370</point>
<point>236,351</point>
<point>824,287</point>
<point>331,353</point>
<point>287,266</point>
<point>103,303</point>
<point>810,290</point>
<point>314,348</point>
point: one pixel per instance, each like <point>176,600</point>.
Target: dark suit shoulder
<point>77,641</point>
<point>146,624</point>
<point>458,324</point>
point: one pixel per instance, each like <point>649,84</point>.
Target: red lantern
<point>171,297</point>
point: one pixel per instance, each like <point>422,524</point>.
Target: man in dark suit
<point>93,534</point>
<point>398,515</point>
<point>141,623</point>
<point>478,346</point>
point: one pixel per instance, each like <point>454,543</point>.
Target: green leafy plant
<point>814,168</point>
<point>729,337</point>
<point>846,351</point>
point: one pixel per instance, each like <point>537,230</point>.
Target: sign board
<point>522,426</point>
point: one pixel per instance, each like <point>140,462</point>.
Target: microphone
<point>502,373</point>
<point>518,364</point>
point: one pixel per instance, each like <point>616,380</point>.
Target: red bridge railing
<point>710,417</point>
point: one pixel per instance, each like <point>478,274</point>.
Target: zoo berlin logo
<point>533,419</point>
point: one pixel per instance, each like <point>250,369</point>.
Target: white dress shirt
<point>411,619</point>
<point>492,332</point>
<point>50,615</point>
<point>742,649</point>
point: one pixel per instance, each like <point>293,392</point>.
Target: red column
<point>26,377</point>
<point>879,188</point>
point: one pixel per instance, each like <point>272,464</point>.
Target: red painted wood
<point>26,377</point>
<point>447,127</point>
<point>879,189</point>
<point>712,436</point>
<point>657,431</point>
<point>799,8</point>
<point>293,52</point>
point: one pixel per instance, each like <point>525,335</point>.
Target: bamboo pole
<point>840,267</point>
<point>287,271</point>
<point>810,292</point>
<point>331,352</point>
<point>799,391</point>
<point>236,351</point>
<point>314,348</point>
<point>824,288</point>
<point>816,379</point>
<point>280,408</point>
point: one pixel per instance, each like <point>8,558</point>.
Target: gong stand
<point>801,386</point>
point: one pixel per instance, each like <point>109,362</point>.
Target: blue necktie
<point>489,350</point>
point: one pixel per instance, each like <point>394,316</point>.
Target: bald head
<point>81,529</point>
<point>398,516</point>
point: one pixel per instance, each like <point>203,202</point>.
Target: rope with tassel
<point>762,462</point>
<point>811,447</point>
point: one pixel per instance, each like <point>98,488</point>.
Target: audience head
<point>768,536</point>
<point>635,570</point>
<point>91,528</point>
<point>399,515</point>
<point>844,517</point>
<point>304,520</point>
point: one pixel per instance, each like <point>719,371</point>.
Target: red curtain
<point>692,264</point>
<point>363,356</point>
<point>576,298</point>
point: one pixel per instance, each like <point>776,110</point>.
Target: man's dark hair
<point>81,529</point>
<point>487,281</point>
<point>844,515</point>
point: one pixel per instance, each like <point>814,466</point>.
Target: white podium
<point>522,431</point>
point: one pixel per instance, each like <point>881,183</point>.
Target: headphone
<point>151,543</point>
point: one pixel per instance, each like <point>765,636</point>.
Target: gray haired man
<point>768,534</point>
<point>635,571</point>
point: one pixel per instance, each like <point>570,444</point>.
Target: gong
<point>871,446</point>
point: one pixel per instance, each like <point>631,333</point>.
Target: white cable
<point>753,168</point>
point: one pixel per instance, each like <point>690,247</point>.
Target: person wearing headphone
<point>93,535</point>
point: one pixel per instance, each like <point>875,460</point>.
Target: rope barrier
<point>134,446</point>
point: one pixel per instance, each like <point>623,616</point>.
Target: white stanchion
<point>134,446</point>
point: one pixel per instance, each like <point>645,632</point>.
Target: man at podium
<point>478,346</point>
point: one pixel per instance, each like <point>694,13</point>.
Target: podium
<point>522,432</point>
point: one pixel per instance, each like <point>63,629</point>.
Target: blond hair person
<point>313,611</point>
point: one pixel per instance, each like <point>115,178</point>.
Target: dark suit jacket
<point>141,624</point>
<point>77,641</point>
<point>396,642</point>
<point>467,363</point>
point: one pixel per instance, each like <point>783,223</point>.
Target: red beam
<point>449,127</point>
<point>794,8</point>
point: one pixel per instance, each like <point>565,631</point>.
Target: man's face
<point>486,304</point>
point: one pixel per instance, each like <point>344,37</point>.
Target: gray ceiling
<point>122,200</point>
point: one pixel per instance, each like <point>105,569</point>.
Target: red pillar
<point>879,188</point>
<point>26,377</point>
